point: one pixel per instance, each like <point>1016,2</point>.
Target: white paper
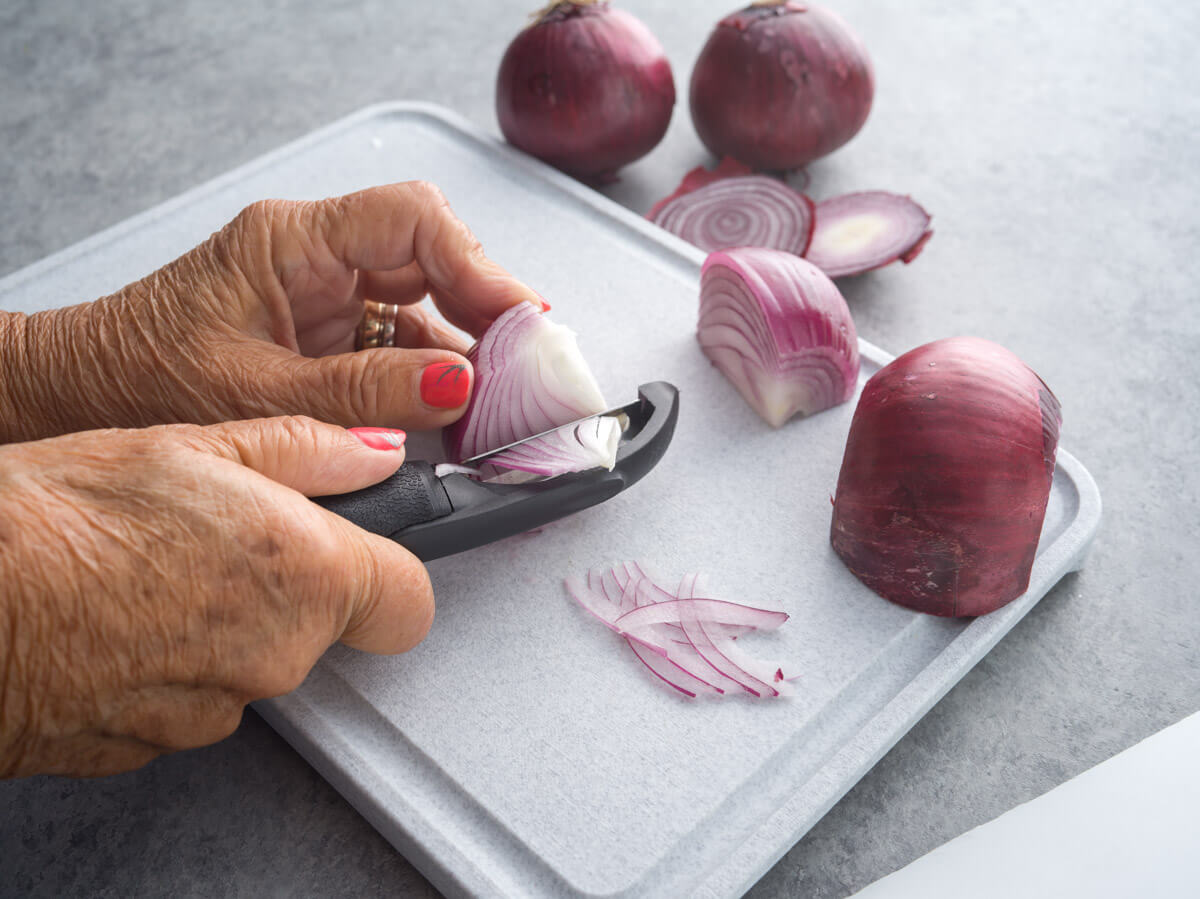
<point>1128,827</point>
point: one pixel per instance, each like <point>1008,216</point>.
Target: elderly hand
<point>260,321</point>
<point>153,580</point>
<point>157,580</point>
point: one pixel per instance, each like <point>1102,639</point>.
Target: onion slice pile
<point>858,232</point>
<point>530,377</point>
<point>779,330</point>
<point>946,476</point>
<point>685,638</point>
<point>731,207</point>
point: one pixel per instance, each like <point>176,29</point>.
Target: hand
<point>260,320</point>
<point>157,580</point>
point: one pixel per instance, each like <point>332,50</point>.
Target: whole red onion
<point>586,88</point>
<point>780,84</point>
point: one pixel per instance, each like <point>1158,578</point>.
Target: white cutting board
<point>521,750</point>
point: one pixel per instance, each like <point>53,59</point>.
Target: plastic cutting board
<point>521,750</point>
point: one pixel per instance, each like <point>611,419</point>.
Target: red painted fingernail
<point>445,385</point>
<point>546,307</point>
<point>380,438</point>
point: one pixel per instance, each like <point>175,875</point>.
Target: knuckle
<point>428,193</point>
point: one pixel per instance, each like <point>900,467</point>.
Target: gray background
<point>1055,147</point>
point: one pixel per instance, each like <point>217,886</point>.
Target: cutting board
<point>521,750</point>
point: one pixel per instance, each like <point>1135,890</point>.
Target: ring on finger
<point>377,327</point>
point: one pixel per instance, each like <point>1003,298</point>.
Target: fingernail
<point>380,438</point>
<point>545,306</point>
<point>445,385</point>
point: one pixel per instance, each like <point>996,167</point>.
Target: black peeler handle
<point>413,495</point>
<point>434,517</point>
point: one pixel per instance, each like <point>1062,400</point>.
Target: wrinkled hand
<point>260,321</point>
<point>154,581</point>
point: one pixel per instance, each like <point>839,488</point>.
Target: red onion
<point>946,476</point>
<point>530,377</point>
<point>586,87</point>
<point>728,207</point>
<point>779,329</point>
<point>686,640</point>
<point>862,231</point>
<point>780,84</point>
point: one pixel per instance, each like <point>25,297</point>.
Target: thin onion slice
<point>858,232</point>
<point>530,377</point>
<point>730,207</point>
<point>779,329</point>
<point>685,640</point>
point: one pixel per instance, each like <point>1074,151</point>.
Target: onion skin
<point>779,330</point>
<point>586,88</point>
<point>778,86</point>
<point>946,476</point>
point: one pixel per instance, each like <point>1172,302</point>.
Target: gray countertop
<point>1057,149</point>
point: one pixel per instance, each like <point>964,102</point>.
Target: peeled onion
<point>586,88</point>
<point>530,377</point>
<point>780,84</point>
<point>946,476</point>
<point>779,330</point>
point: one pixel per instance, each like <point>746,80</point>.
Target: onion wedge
<point>779,330</point>
<point>530,377</point>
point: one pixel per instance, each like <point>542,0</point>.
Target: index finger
<point>393,225</point>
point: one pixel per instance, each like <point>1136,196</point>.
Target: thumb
<point>311,457</point>
<point>390,605</point>
<point>417,389</point>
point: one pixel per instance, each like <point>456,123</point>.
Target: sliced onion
<point>946,477</point>
<point>687,641</point>
<point>700,177</point>
<point>530,377</point>
<point>779,329</point>
<point>592,444</point>
<point>858,232</point>
<point>729,208</point>
<point>714,611</point>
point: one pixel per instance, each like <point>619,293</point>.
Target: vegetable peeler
<point>434,516</point>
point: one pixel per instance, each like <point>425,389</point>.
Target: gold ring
<point>378,325</point>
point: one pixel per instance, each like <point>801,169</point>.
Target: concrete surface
<point>1055,144</point>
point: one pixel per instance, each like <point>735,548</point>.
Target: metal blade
<point>616,410</point>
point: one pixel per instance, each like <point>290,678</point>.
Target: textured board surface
<point>521,750</point>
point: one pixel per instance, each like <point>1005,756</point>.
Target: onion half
<point>586,88</point>
<point>779,330</point>
<point>686,640</point>
<point>730,207</point>
<point>530,377</point>
<point>946,476</point>
<point>780,84</point>
<point>858,232</point>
